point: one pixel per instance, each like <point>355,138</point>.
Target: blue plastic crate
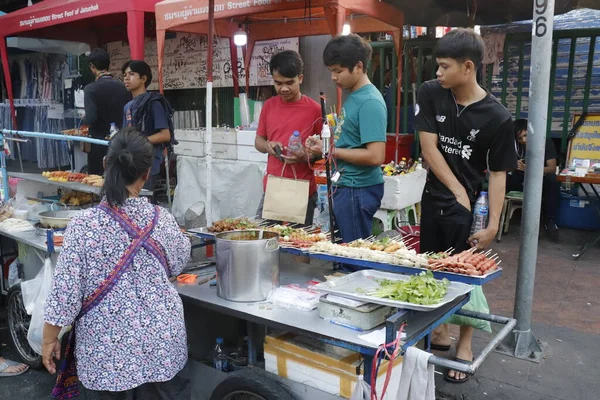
<point>578,213</point>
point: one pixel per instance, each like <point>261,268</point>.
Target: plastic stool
<point>512,202</point>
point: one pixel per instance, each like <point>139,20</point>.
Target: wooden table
<point>582,181</point>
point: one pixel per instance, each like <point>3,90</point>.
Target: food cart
<point>260,316</point>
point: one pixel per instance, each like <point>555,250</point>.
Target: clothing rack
<point>34,117</point>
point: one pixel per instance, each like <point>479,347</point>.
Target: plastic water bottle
<point>113,129</point>
<point>295,142</point>
<point>419,165</point>
<point>480,213</point>
<point>323,221</point>
<point>220,361</point>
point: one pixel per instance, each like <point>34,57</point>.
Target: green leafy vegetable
<point>421,289</point>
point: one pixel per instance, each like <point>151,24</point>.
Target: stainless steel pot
<point>57,219</point>
<point>247,265</point>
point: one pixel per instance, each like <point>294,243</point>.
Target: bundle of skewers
<point>468,262</point>
<point>387,251</point>
<point>290,235</point>
<point>296,237</point>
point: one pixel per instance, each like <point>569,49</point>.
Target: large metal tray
<point>346,286</point>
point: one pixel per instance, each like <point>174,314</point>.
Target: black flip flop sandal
<point>439,347</point>
<point>454,380</point>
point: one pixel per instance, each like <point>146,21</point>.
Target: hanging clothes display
<point>38,78</point>
<point>47,153</point>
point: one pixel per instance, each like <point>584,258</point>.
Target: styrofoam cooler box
<point>191,143</point>
<point>403,190</point>
<point>320,365</point>
<point>245,147</point>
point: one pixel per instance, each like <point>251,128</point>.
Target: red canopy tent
<point>274,19</point>
<point>92,22</point>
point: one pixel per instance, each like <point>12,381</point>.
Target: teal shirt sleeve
<point>372,120</point>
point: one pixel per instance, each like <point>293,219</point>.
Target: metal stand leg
<point>256,338</point>
<point>367,368</point>
<point>591,244</point>
<point>586,247</point>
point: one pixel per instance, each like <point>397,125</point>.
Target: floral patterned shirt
<point>136,334</point>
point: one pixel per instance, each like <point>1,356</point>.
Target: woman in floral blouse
<point>112,285</point>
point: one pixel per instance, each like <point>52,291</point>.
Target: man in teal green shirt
<point>360,138</point>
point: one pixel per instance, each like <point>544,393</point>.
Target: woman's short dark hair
<point>461,44</point>
<point>128,159</point>
<point>141,68</point>
<point>347,51</point>
<point>288,63</point>
<point>100,59</point>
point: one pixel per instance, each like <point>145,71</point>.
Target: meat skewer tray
<point>366,280</point>
<point>451,276</point>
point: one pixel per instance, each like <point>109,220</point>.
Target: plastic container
<point>405,143</point>
<point>20,214</point>
<point>578,212</point>
<point>295,142</point>
<point>480,213</point>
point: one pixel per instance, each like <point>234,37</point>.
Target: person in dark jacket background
<point>104,100</point>
<point>148,112</point>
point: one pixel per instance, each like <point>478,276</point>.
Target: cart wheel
<point>249,387</point>
<point>18,326</point>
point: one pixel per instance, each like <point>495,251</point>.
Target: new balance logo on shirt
<point>466,152</point>
<point>440,118</point>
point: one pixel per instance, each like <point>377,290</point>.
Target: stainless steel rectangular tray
<point>346,286</point>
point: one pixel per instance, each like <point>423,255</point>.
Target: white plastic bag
<point>362,390</point>
<point>13,273</point>
<point>34,298</point>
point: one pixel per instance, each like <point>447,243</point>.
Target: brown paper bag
<point>286,199</point>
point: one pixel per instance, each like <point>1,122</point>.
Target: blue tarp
<point>583,18</point>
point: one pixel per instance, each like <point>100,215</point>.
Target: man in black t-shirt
<point>104,100</point>
<point>550,188</point>
<point>464,131</point>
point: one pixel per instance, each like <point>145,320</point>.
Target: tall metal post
<point>209,108</point>
<point>522,343</point>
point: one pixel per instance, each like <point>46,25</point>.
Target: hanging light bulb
<point>346,30</point>
<point>240,38</point>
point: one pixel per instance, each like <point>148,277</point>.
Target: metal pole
<point>209,86</point>
<point>522,343</point>
<point>54,136</point>
<point>5,186</point>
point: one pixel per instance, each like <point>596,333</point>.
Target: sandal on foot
<point>7,364</point>
<point>439,347</point>
<point>454,380</point>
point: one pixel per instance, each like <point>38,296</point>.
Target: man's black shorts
<point>443,227</point>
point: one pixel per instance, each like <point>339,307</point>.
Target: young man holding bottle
<point>464,131</point>
<point>280,117</point>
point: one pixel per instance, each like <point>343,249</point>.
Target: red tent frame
<point>92,22</point>
<point>269,19</point>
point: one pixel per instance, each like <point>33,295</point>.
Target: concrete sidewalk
<point>566,315</point>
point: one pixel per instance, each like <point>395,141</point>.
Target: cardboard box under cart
<point>323,366</point>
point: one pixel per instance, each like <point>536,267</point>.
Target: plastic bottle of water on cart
<point>295,143</point>
<point>220,361</point>
<point>480,213</point>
